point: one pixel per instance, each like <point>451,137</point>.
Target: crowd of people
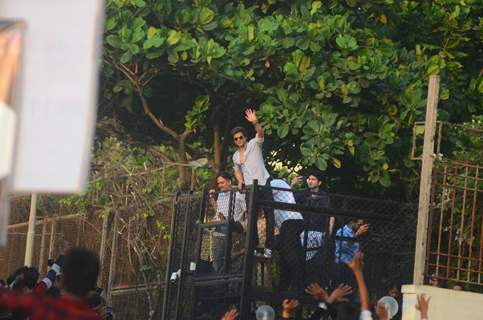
<point>336,305</point>
<point>299,237</point>
<point>69,288</point>
<point>67,291</point>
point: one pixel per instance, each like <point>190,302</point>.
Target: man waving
<point>248,159</point>
<point>249,166</point>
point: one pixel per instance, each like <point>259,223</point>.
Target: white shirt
<point>365,315</point>
<point>223,205</point>
<point>283,196</point>
<point>253,167</point>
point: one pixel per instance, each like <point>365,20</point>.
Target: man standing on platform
<point>249,165</point>
<point>222,205</point>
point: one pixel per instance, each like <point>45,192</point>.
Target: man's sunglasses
<point>238,138</point>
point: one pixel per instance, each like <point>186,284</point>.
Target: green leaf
<point>210,26</point>
<point>321,164</point>
<point>432,69</point>
<point>138,35</point>
<point>126,57</point>
<point>134,49</point>
<point>297,56</point>
<point>250,33</point>
<point>304,64</point>
<point>206,16</point>
<point>111,23</point>
<point>155,54</point>
<point>288,42</point>
<point>346,42</point>
<point>114,41</point>
<point>282,130</point>
<point>444,94</point>
<point>139,3</point>
<point>316,5</point>
<point>385,180</point>
<point>290,70</point>
<point>173,56</point>
<point>336,162</point>
<point>152,31</point>
<point>138,23</point>
<point>173,37</point>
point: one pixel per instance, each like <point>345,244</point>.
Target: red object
<point>41,307</point>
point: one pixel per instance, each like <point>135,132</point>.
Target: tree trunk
<point>227,139</point>
<point>184,176</point>
<point>217,148</point>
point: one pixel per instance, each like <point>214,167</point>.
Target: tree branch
<point>132,76</point>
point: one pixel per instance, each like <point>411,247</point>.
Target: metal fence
<point>220,259</point>
<point>455,250</point>
<point>132,286</point>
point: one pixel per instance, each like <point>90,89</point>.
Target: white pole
<point>29,247</point>
<point>425,183</point>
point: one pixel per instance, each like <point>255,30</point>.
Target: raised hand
<point>251,116</point>
<point>356,264</point>
<point>296,180</point>
<point>362,229</point>
<point>422,305</point>
<point>288,306</point>
<point>339,293</point>
<point>381,312</point>
<point>230,315</point>
<point>317,292</point>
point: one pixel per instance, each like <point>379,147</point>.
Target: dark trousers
<point>269,217</point>
<point>291,256</point>
<point>266,194</point>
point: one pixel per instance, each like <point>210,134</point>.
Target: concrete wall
<point>444,304</point>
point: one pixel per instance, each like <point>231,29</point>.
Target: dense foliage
<point>338,84</point>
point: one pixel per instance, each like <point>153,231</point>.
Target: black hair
<point>30,277</point>
<point>347,311</point>
<point>316,173</point>
<point>238,129</point>
<point>80,271</point>
<point>224,175</point>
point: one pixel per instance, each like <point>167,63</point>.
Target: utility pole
<point>425,182</point>
<point>29,246</point>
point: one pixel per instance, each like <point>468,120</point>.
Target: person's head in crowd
<point>435,281</point>
<point>239,135</point>
<point>395,291</point>
<point>355,224</point>
<point>458,286</point>
<point>347,311</point>
<point>80,272</point>
<point>314,180</point>
<point>31,276</point>
<point>223,181</point>
<point>27,279</point>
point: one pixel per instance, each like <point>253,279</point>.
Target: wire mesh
<point>456,225</point>
<point>95,233</point>
<point>313,235</point>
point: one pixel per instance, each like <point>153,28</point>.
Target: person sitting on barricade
<point>228,199</point>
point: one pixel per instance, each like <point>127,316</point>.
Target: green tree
<point>339,84</point>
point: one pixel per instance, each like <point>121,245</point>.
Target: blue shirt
<point>345,250</point>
